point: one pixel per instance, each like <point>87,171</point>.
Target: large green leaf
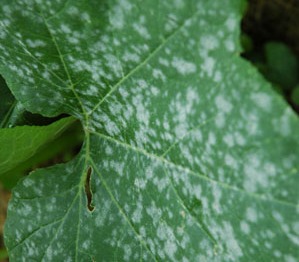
<point>188,155</point>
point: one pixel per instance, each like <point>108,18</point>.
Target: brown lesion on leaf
<point>88,190</point>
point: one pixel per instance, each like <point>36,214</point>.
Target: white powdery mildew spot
<point>278,216</point>
<point>231,161</point>
<point>231,23</point>
<point>245,227</point>
<point>137,214</point>
<point>49,253</point>
<point>225,234</point>
<point>183,109</point>
<point>229,140</point>
<point>223,104</point>
<point>165,233</point>
<point>185,151</point>
<point>117,19</point>
<point>295,227</point>
<point>154,212</point>
<point>251,214</point>
<point>290,258</point>
<point>179,3</point>
<point>262,100</point>
<point>128,252</point>
<point>239,138</point>
<point>277,253</point>
<point>113,64</point>
<point>131,57</point>
<point>209,42</point>
<point>72,11</point>
<point>229,45</point>
<point>7,9</point>
<point>118,167</point>
<point>109,150</point>
<point>252,123</point>
<point>211,139</point>
<point>65,29</point>
<point>220,120</point>
<point>154,90</point>
<point>192,97</point>
<point>149,173</point>
<point>158,74</point>
<point>119,12</point>
<point>35,43</point>
<point>103,214</point>
<point>111,128</point>
<point>142,113</point>
<point>208,66</point>
<point>197,191</point>
<point>217,197</point>
<point>170,248</point>
<point>92,90</point>
<point>182,66</point>
<point>231,241</point>
<point>140,183</point>
<point>257,175</point>
<point>3,35</point>
<point>25,210</point>
<point>161,184</point>
<point>142,31</point>
<point>283,124</point>
<point>28,182</point>
<point>171,23</point>
<point>218,77</point>
<point>163,61</point>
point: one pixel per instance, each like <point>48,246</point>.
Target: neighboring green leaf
<point>20,143</point>
<point>60,146</point>
<point>246,43</point>
<point>295,96</point>
<point>188,155</point>
<point>3,254</point>
<point>282,64</point>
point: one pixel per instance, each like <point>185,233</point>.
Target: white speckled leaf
<point>193,156</point>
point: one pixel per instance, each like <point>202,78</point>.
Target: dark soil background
<point>267,20</point>
<point>4,197</point>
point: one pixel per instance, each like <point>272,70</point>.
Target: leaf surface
<point>188,155</point>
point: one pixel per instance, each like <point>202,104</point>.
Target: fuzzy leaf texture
<point>191,155</point>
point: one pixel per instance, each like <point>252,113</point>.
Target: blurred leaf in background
<point>282,65</point>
